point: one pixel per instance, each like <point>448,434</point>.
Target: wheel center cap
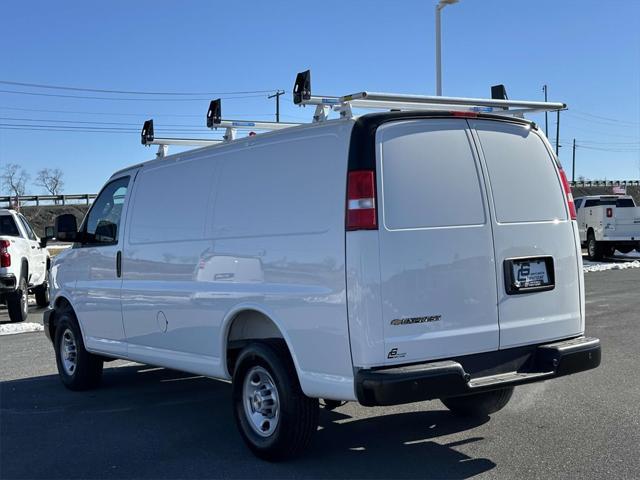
<point>257,401</point>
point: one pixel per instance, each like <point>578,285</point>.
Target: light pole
<point>439,7</point>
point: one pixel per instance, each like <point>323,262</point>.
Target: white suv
<point>331,261</point>
<point>24,263</point>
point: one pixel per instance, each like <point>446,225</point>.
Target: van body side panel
<point>438,281</point>
<point>286,218</point>
<point>364,298</point>
<point>164,319</point>
<point>530,219</point>
<point>266,229</point>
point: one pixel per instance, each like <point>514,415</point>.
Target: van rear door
<point>535,240</point>
<point>438,276</point>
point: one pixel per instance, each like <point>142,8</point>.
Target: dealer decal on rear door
<point>411,321</point>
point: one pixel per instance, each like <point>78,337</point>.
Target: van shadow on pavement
<point>147,422</point>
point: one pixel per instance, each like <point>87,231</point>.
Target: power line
<point>132,99</point>
<point>129,92</point>
<point>609,119</point>
<point>92,122</point>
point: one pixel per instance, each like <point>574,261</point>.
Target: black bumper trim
<point>8,283</point>
<point>46,321</point>
<point>448,378</point>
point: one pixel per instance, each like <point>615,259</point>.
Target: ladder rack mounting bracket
<point>146,134</point>
<point>302,87</point>
<point>214,114</point>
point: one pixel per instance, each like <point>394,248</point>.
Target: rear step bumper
<point>448,378</point>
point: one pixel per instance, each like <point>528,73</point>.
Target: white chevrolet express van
<point>397,257</point>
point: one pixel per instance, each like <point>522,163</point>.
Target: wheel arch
<point>61,301</point>
<point>245,323</point>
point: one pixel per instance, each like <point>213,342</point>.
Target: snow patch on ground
<point>601,267</point>
<point>24,327</point>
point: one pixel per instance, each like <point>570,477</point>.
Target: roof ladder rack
<point>302,95</point>
<point>215,121</point>
<point>148,138</point>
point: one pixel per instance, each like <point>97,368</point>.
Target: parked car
<point>332,261</point>
<point>608,223</point>
<point>24,264</point>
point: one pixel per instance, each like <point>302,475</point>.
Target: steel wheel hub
<point>68,352</point>
<point>260,400</point>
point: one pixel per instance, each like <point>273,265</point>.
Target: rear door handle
<point>119,264</point>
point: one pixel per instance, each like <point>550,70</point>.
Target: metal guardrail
<point>605,183</point>
<point>24,200</point>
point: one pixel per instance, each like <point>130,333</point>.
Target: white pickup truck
<point>608,223</point>
<point>24,263</point>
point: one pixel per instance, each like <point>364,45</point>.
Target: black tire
<point>624,249</point>
<point>87,370</point>
<point>297,415</point>
<point>479,404</point>
<point>42,295</point>
<point>18,302</point>
<point>594,248</point>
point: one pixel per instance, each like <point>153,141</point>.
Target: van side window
<point>578,203</point>
<point>103,220</point>
<point>591,203</point>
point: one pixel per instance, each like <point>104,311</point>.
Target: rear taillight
<point>568,195</point>
<point>361,201</point>
<point>5,256</point>
<point>609,212</point>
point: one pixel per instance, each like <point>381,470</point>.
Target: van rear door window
<point>522,174</point>
<point>430,178</point>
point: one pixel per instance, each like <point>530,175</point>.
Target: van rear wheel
<point>275,418</point>
<point>479,404</point>
<point>77,368</point>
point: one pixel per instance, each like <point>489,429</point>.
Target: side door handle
<point>119,264</point>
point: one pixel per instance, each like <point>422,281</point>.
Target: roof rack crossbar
<point>215,120</point>
<point>147,138</point>
<point>499,103</point>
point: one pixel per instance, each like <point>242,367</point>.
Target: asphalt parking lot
<point>147,422</point>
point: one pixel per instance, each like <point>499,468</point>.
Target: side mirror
<point>66,228</point>
<point>48,235</point>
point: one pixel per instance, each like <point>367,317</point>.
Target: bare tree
<point>51,180</point>
<point>14,179</point>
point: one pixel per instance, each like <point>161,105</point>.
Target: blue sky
<point>587,52</point>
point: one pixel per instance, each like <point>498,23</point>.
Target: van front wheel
<point>275,418</point>
<point>479,404</point>
<point>77,368</point>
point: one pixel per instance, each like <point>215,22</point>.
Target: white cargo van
<point>395,257</point>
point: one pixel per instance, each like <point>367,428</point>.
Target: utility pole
<point>558,134</point>
<point>277,96</point>
<point>546,116</point>
<point>573,168</point>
